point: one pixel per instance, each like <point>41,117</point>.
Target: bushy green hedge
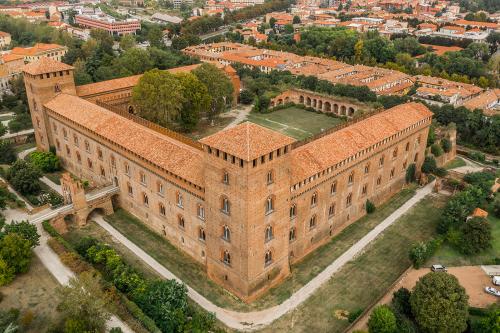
<point>54,234</point>
<point>421,252</point>
<point>45,161</point>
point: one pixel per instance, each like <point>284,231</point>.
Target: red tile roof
<point>247,141</point>
<point>161,150</point>
<point>320,154</point>
<point>45,65</point>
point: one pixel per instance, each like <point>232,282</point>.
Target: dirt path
<point>249,321</point>
<point>240,115</point>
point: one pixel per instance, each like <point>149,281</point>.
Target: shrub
<point>477,156</point>
<point>429,165</point>
<point>7,273</point>
<point>401,301</point>
<point>476,236</point>
<point>436,150</point>
<point>7,152</point>
<point>24,177</point>
<point>116,330</point>
<point>382,320</point>
<point>27,318</point>
<point>45,161</point>
<point>446,145</point>
<point>410,173</point>
<point>421,252</point>
<point>440,172</point>
<point>53,233</point>
<point>370,207</point>
<point>137,313</point>
<point>73,261</point>
<point>354,315</point>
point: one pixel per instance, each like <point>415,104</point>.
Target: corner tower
<point>247,182</point>
<point>44,79</point>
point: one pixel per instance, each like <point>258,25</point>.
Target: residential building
<point>5,39</point>
<point>40,50</point>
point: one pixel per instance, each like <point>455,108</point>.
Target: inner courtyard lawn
<point>294,122</point>
<point>361,281</point>
<point>194,274</point>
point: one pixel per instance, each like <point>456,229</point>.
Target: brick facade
<point>228,202</point>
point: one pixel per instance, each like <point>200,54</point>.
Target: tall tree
<point>219,87</point>
<point>158,97</point>
<point>196,100</point>
<point>16,252</point>
<point>439,303</point>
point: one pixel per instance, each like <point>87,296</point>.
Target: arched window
<point>162,209</point>
<point>127,169</point>
<point>407,146</point>
<point>180,221</point>
<point>312,222</point>
<point>293,211</point>
<point>367,168</point>
<point>349,200</point>
<point>314,199</point>
<point>226,257</point>
<point>201,212</point>
<point>226,233</point>
<point>331,210</point>
<point>364,190</point>
<point>201,234</point>
<point>142,178</point>
<point>269,233</point>
<point>270,177</point>
<point>68,152</point>
<point>381,160</point>
<point>99,153</point>
<point>65,134</point>
<point>268,258</point>
<point>333,188</point>
<point>89,163</point>
<point>395,152</point>
<point>351,178</point>
<point>379,180</point>
<point>416,158</point>
<point>145,199</point>
<point>103,172</point>
<point>392,173</point>
<point>78,157</point>
<point>178,199</point>
<point>225,206</point>
<point>291,235</point>
<point>405,164</point>
<point>269,205</point>
<point>75,140</point>
<point>130,189</point>
<point>54,126</point>
<point>113,161</point>
<point>58,145</point>
<point>225,177</point>
<point>87,146</point>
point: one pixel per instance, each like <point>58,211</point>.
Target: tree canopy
<point>439,303</point>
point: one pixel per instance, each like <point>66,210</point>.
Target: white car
<point>496,280</point>
<point>492,291</point>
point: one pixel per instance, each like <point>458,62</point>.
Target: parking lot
<point>472,278</point>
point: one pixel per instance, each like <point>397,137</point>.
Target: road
<point>258,319</point>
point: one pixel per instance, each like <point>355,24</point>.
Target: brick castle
<point>245,202</point>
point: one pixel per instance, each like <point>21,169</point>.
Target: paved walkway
<point>25,153</point>
<point>52,185</point>
<point>258,319</point>
<point>240,113</point>
<point>470,166</point>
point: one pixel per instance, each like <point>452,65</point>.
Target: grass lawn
<point>5,117</point>
<point>449,256</point>
<point>456,163</point>
<point>294,122</point>
<point>361,281</point>
<point>24,146</point>
<point>55,177</point>
<point>194,274</point>
<point>33,292</point>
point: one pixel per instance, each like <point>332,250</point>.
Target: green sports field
<point>294,122</point>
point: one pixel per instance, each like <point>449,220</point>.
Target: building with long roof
<point>245,202</point>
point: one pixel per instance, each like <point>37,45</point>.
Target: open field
<point>294,122</point>
<point>194,274</point>
<point>33,292</point>
<point>361,281</point>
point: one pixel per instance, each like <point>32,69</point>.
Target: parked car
<point>438,268</point>
<point>496,280</point>
<point>492,291</point>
